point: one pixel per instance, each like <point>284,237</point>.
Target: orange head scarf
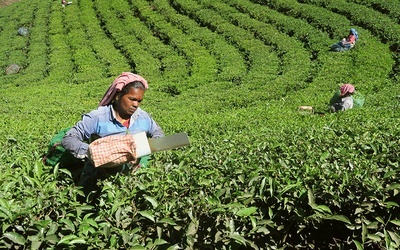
<point>119,82</point>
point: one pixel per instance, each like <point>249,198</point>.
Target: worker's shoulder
<point>100,111</point>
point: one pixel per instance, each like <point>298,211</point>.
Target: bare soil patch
<point>7,2</point>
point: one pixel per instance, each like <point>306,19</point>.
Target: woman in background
<point>347,42</point>
<point>351,39</point>
<point>343,100</point>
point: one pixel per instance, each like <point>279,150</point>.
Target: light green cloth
<point>144,161</point>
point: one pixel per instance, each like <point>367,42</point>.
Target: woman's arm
<point>76,139</point>
<point>155,130</point>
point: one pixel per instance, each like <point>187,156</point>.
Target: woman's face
<point>128,103</point>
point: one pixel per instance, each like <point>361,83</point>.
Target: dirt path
<point>7,2</point>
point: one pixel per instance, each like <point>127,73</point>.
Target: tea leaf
<point>138,247</point>
<point>244,212</point>
<point>77,241</point>
<point>391,204</point>
<point>238,238</point>
<point>167,221</point>
<point>394,236</point>
<point>358,245</point>
<point>340,218</point>
<point>396,222</point>
<point>153,201</point>
<point>15,237</point>
<point>148,214</point>
<point>67,239</point>
<point>323,208</point>
<point>174,247</point>
<point>69,224</point>
<point>374,237</point>
<point>192,229</point>
<point>52,238</point>
<point>159,242</point>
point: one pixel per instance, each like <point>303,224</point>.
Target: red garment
<point>351,38</point>
<point>126,123</point>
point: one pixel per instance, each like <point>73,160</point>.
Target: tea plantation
<point>258,174</point>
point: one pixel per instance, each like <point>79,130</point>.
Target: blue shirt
<point>102,122</point>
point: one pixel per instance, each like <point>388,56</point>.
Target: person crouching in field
<point>65,3</point>
<point>118,114</point>
<point>343,99</point>
<point>346,43</point>
<point>351,39</point>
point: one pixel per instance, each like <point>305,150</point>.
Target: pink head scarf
<point>119,82</point>
<point>346,88</point>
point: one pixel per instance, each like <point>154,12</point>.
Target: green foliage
<point>232,73</point>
